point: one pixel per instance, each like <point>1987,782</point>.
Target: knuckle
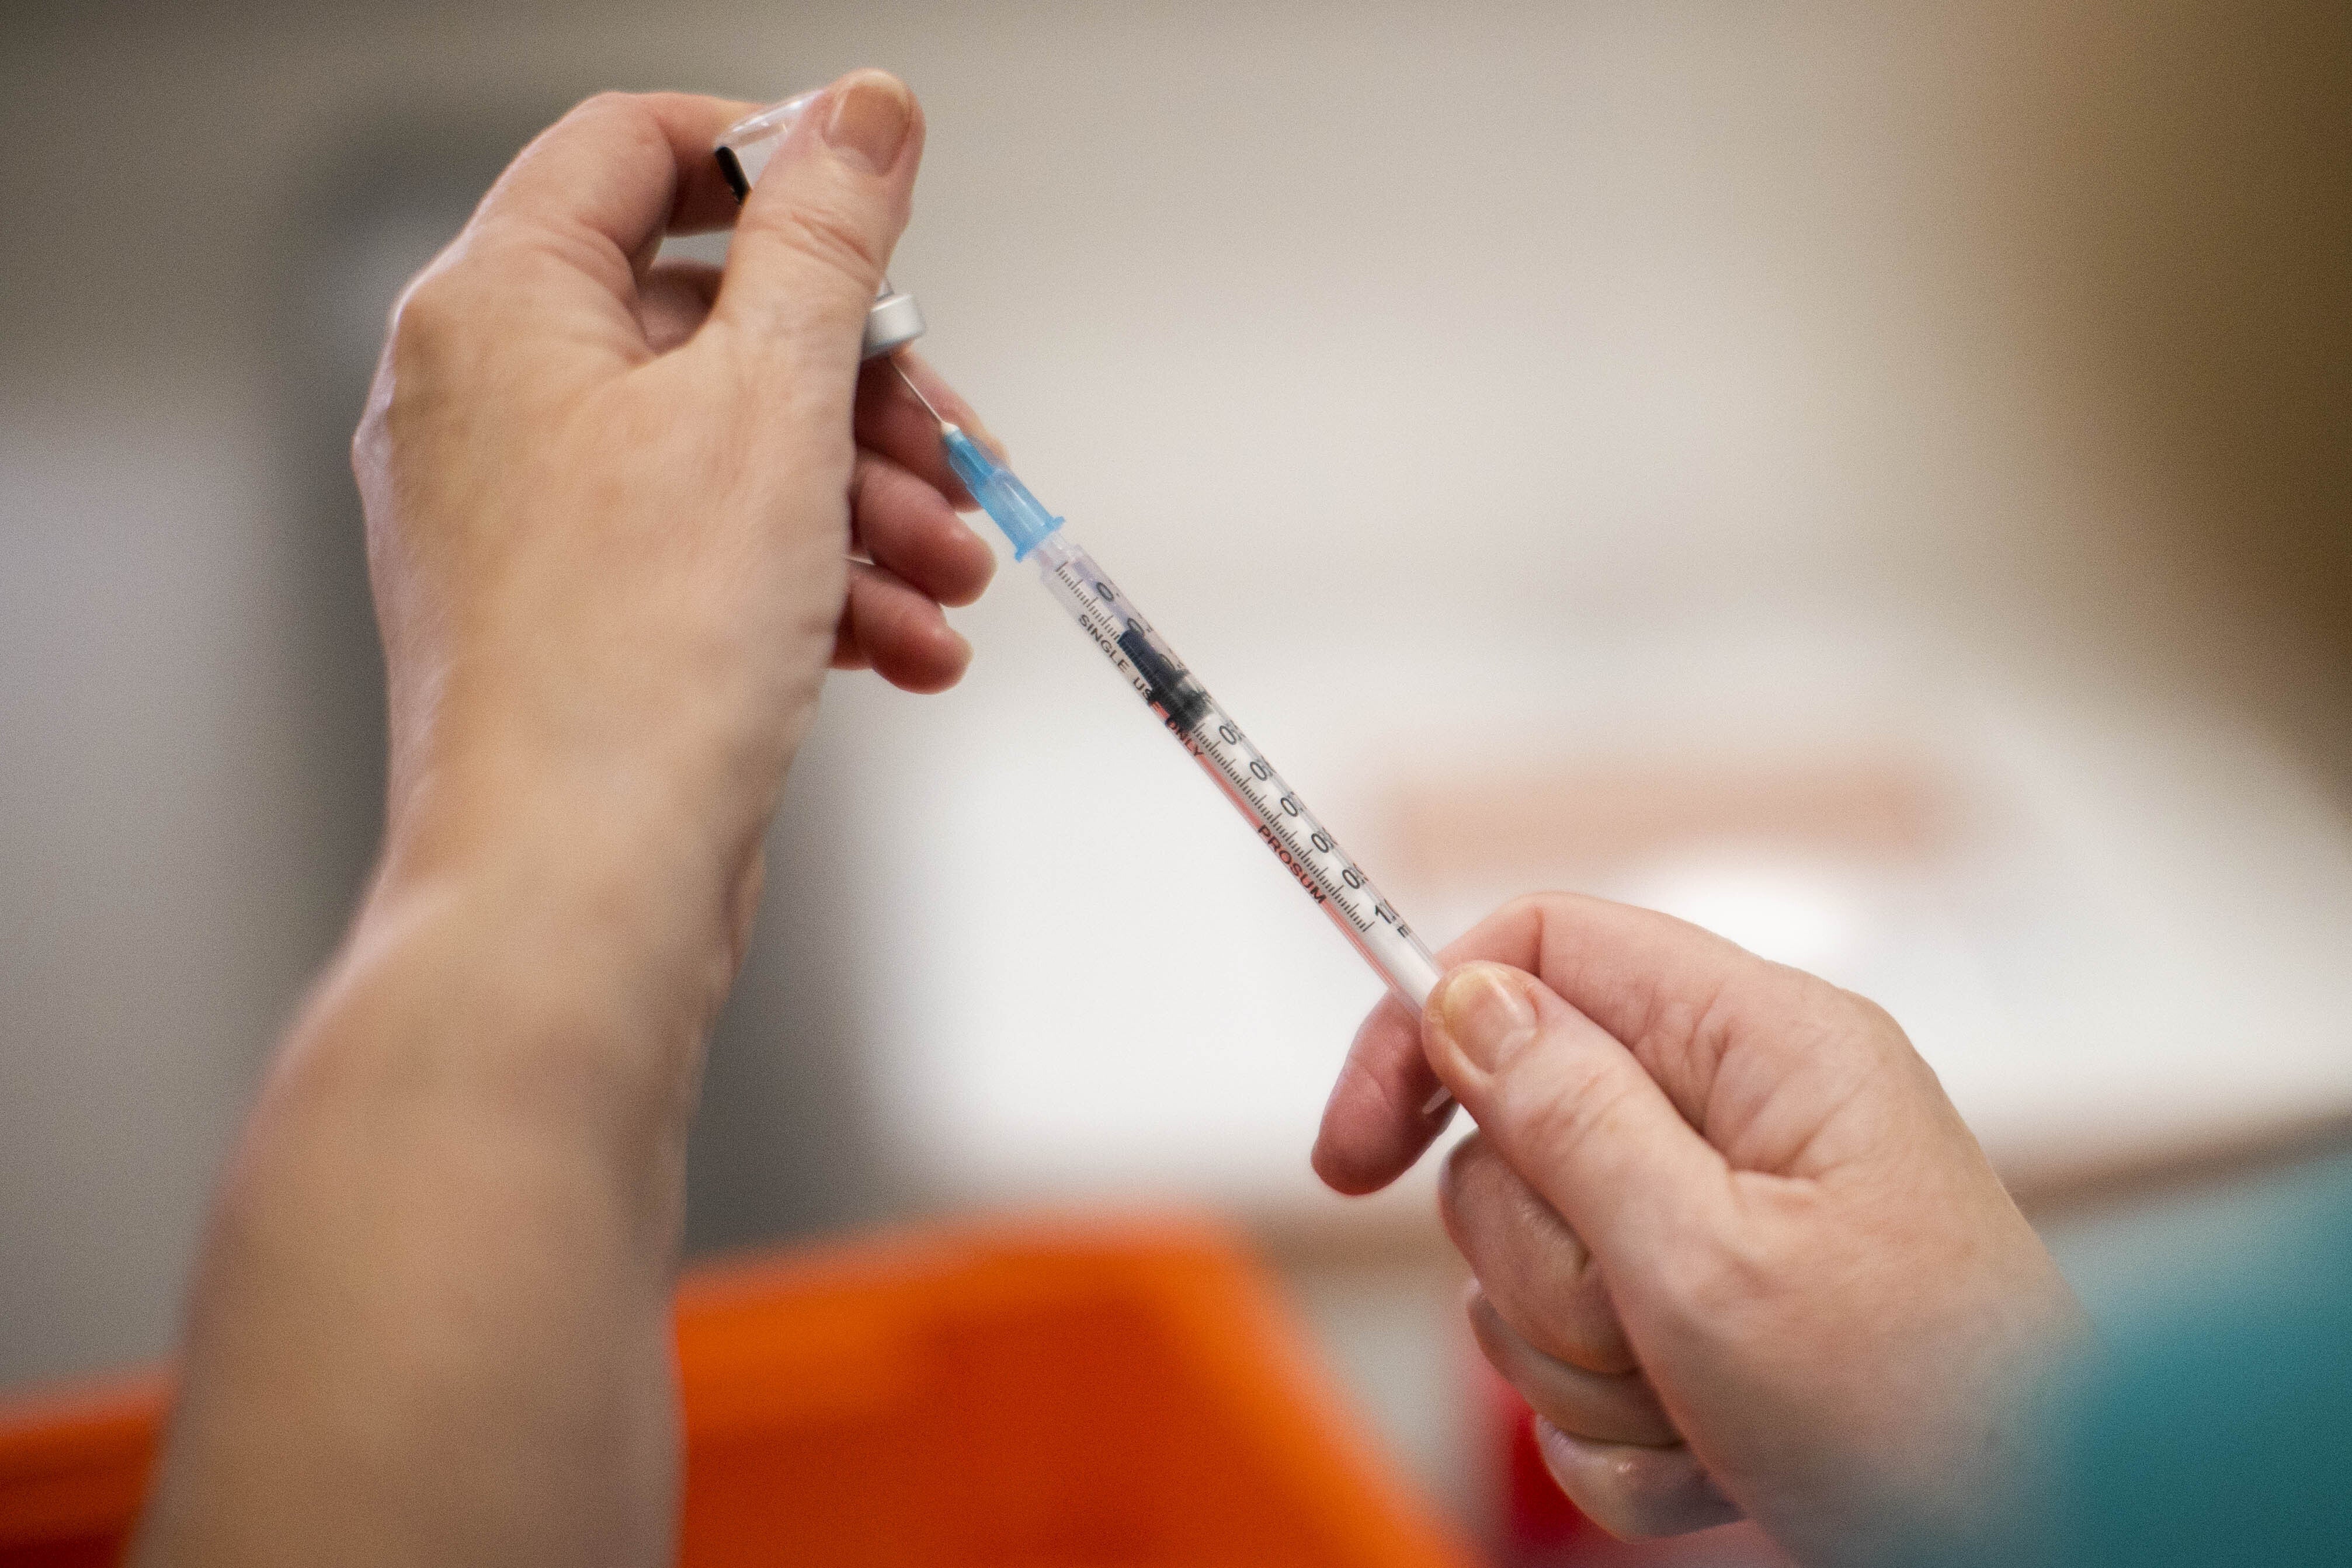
<point>831,238</point>
<point>1535,1270</point>
<point>1478,1181</point>
<point>371,438</point>
<point>426,318</point>
<point>627,116</point>
<point>610,121</point>
<point>1868,1017</point>
<point>1457,1177</point>
<point>1583,1328</point>
<point>612,104</point>
<point>1579,1323</point>
<point>430,336</point>
<point>1535,909</point>
<point>1561,1111</point>
<point>1828,1018</point>
<point>368,440</point>
<point>1469,1194</point>
<point>1525,903</point>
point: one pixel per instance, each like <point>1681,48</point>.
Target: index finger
<point>1384,1110</point>
<point>619,172</point>
<point>1617,964</point>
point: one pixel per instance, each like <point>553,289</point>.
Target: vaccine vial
<point>894,319</point>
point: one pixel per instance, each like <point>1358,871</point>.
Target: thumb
<point>1570,1110</point>
<point>814,235</point>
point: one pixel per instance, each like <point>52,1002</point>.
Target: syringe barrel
<point>1304,846</point>
<point>1207,731</point>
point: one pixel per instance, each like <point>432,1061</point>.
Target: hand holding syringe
<point>1305,847</point>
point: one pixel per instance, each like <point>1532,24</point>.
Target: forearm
<point>429,1324</point>
<point>610,515</point>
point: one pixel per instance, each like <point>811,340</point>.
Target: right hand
<point>1730,1239</point>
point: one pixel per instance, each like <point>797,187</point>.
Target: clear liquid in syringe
<point>1304,845</point>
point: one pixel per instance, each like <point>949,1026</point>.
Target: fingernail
<point>1484,1014</point>
<point>872,112</point>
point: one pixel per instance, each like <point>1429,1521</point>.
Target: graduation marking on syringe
<point>1200,725</point>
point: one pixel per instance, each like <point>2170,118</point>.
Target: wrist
<point>669,823</point>
<point>615,898</point>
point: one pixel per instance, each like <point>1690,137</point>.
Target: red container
<point>1037,1396</point>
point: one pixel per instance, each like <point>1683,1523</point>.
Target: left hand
<point>622,515</point>
<point>617,522</point>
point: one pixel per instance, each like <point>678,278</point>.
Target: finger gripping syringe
<point>1206,730</point>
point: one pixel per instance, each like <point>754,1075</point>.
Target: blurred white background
<point>1868,478</point>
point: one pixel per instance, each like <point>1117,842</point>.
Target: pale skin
<point>622,519</point>
<point>1729,1238</point>
<point>612,509</point>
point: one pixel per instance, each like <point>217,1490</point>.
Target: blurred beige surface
<point>1945,407</point>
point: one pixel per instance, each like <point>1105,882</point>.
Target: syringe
<point>1200,725</point>
<point>1207,731</point>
